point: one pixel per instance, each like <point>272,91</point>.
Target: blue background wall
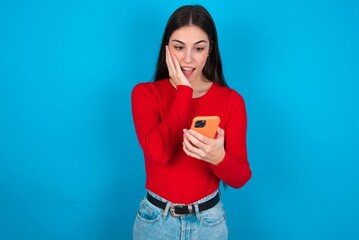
<point>70,164</point>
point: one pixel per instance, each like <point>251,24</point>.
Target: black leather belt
<point>179,210</point>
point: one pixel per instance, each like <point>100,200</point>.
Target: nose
<point>188,56</point>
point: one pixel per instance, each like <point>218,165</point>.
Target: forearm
<point>158,133</point>
<point>234,169</point>
<point>235,172</point>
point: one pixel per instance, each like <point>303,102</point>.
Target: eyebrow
<point>200,41</point>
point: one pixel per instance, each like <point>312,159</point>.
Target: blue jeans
<point>153,223</point>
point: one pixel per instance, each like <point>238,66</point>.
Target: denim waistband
<point>195,204</point>
<point>205,199</point>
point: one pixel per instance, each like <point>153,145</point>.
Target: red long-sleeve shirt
<point>161,112</point>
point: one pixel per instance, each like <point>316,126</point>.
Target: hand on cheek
<point>174,69</point>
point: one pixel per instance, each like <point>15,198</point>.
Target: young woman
<point>183,167</point>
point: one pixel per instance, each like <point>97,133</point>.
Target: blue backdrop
<point>70,164</point>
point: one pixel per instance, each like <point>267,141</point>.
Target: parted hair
<point>192,15</point>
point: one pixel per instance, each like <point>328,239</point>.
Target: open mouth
<point>187,71</point>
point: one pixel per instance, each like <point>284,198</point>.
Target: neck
<point>201,87</point>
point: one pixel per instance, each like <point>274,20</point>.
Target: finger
<point>186,141</point>
<point>176,67</point>
<point>220,133</point>
<point>196,147</point>
<point>176,64</point>
<point>179,74</point>
<point>201,138</point>
<point>190,150</point>
<point>194,141</point>
<point>169,62</point>
<point>186,150</point>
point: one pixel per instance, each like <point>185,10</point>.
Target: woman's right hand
<point>174,70</point>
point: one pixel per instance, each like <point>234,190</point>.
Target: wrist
<point>220,158</point>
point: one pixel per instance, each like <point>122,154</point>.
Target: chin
<point>192,78</point>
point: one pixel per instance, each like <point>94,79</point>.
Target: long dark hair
<point>194,15</point>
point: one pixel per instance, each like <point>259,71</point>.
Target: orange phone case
<point>206,125</point>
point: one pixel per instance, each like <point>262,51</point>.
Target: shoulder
<point>230,94</point>
<point>148,88</point>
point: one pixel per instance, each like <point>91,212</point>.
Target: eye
<point>199,49</point>
<point>179,48</point>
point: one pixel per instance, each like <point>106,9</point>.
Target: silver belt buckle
<point>173,211</point>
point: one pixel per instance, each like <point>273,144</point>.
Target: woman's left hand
<point>201,147</point>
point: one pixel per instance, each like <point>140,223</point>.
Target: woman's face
<point>190,44</point>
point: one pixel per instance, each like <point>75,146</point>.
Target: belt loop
<point>196,211</point>
<point>165,212</point>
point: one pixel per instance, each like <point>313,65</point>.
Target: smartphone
<point>206,125</point>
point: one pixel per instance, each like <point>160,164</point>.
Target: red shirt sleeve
<point>159,130</point>
<point>234,169</point>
